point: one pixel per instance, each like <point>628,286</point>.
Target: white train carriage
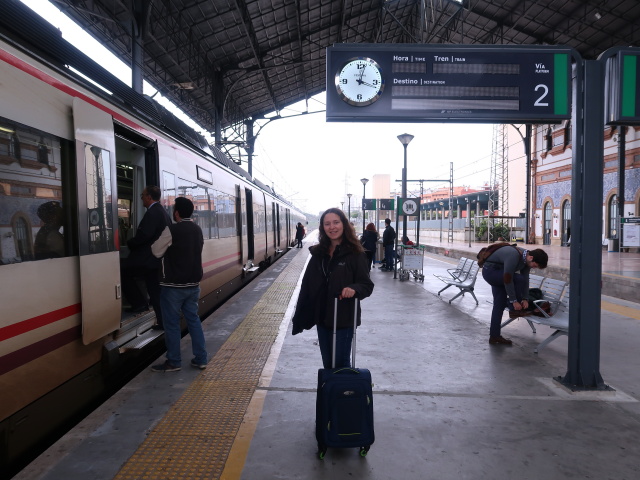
<point>73,162</point>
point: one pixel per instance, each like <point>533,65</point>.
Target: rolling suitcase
<point>344,402</point>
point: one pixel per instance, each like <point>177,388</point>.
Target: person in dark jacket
<point>510,289</point>
<point>180,248</point>
<point>369,241</point>
<point>388,237</point>
<point>141,262</point>
<point>299,234</point>
<point>338,267</point>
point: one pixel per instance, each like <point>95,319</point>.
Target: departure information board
<point>622,105</point>
<point>440,83</point>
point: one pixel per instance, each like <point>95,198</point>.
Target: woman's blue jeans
<point>343,346</point>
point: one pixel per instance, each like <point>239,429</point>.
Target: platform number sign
<point>622,100</point>
<point>386,204</point>
<point>368,203</point>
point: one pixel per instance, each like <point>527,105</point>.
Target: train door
<point>241,224</point>
<point>277,226</point>
<point>250,225</point>
<point>97,221</point>
<point>136,167</point>
<point>288,228</point>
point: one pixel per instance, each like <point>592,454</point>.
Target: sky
<point>314,163</point>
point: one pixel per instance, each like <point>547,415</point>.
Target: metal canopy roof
<point>241,59</point>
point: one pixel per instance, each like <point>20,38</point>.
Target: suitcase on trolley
<point>344,402</point>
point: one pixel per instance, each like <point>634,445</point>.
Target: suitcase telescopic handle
<point>335,330</point>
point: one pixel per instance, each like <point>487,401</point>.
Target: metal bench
<point>559,320</point>
<point>458,273</point>
<point>556,292</point>
<point>465,282</point>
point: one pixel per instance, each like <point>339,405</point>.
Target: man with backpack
<point>506,269</point>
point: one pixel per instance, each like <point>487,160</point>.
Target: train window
<point>98,176</point>
<point>204,175</point>
<point>202,199</point>
<point>34,219</point>
<point>225,214</point>
<point>168,192</point>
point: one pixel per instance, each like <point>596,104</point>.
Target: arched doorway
<point>613,217</point>
<point>566,223</point>
<point>546,222</point>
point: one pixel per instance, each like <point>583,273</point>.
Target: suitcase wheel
<point>322,451</point>
<point>364,451</point>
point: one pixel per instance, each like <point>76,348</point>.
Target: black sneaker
<point>165,367</point>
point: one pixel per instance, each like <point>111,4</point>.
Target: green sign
<point>368,203</point>
<point>386,204</point>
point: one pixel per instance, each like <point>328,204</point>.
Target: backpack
<point>486,252</point>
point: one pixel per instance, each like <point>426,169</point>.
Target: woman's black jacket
<point>323,280</point>
<point>369,240</point>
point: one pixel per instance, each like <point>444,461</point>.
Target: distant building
<point>551,182</point>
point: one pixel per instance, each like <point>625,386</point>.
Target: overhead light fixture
<point>184,85</point>
<point>597,15</point>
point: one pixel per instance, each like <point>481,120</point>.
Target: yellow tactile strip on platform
<point>193,440</point>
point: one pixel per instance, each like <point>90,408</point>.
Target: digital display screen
<point>622,87</point>
<point>439,83</point>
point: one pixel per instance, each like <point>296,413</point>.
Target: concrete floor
<point>447,404</point>
<point>450,406</point>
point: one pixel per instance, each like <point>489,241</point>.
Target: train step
<point>141,340</point>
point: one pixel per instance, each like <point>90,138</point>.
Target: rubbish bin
<point>613,245</point>
<point>379,252</point>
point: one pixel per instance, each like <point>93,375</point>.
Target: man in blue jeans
<point>388,237</point>
<point>180,248</point>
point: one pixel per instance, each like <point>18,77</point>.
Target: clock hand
<point>361,75</point>
<point>361,82</point>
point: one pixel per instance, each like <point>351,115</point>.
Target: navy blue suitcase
<point>344,403</point>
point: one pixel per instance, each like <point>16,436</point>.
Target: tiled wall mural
<point>558,190</point>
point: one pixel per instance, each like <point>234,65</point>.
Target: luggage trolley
<point>412,261</point>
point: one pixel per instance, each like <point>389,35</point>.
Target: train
<point>75,155</point>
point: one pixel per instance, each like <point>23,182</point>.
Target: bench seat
<point>465,282</point>
<point>556,292</point>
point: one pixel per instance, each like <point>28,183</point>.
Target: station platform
<point>447,404</point>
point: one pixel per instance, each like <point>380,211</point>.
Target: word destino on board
<point>440,83</point>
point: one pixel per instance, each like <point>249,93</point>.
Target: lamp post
<point>342,208</point>
<point>349,195</point>
<point>441,215</point>
<point>405,139</point>
<point>364,194</point>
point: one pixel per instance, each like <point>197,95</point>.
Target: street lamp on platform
<point>364,194</point>
<point>349,195</point>
<point>441,216</point>
<point>405,139</point>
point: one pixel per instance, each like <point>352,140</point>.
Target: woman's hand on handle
<point>347,293</point>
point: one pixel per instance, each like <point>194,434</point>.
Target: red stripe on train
<point>221,259</point>
<point>39,321</point>
<point>27,354</point>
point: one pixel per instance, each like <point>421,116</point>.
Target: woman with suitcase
<point>338,267</point>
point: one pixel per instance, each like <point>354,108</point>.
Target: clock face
<point>360,82</point>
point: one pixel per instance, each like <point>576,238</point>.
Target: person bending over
<point>507,271</point>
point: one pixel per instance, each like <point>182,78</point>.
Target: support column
<point>583,362</point>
